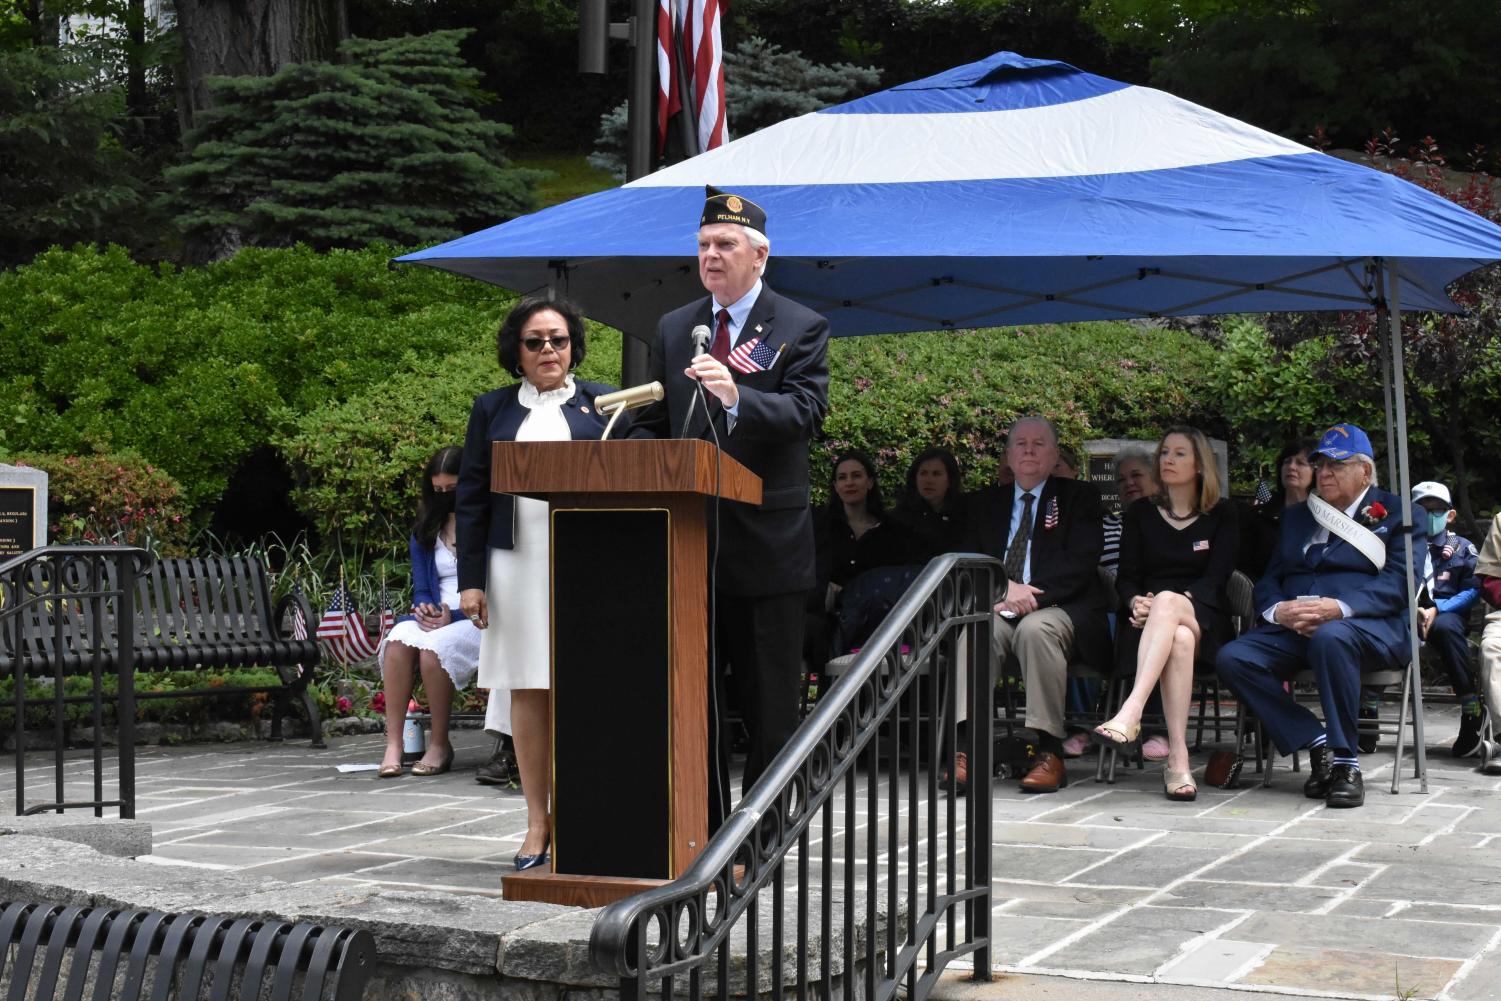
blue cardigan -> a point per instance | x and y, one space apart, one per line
425 585
485 520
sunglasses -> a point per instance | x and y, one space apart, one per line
534 344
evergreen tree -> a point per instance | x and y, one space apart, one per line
64 173
763 84
385 145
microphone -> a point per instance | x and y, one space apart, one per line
620 401
700 337
628 399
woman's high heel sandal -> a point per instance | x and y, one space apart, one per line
1112 735
1179 786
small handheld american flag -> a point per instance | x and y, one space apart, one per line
753 355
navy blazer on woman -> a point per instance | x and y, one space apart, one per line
1377 596
486 520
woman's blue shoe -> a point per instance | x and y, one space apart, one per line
524 862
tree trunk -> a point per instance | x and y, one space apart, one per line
135 73
46 25
1461 473
250 38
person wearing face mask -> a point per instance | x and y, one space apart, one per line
1445 623
435 639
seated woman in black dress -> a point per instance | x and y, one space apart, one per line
1178 549
1260 524
932 507
853 535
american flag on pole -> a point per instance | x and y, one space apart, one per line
332 626
691 27
750 356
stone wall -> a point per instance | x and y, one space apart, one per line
434 946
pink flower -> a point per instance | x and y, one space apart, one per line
343 705
378 702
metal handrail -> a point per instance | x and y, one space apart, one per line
77 574
950 598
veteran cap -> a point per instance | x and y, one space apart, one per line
721 206
1431 489
1343 441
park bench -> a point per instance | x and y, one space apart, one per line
60 610
130 954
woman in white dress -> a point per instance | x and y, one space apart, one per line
435 638
504 582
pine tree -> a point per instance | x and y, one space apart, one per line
384 145
763 84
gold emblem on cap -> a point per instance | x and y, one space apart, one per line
733 204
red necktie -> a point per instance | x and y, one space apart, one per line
720 349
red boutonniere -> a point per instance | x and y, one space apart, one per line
1373 513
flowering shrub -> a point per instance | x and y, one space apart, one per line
112 498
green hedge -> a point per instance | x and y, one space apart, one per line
352 372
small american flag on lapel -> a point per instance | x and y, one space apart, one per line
1201 545
1050 519
753 355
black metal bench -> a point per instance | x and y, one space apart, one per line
60 613
131 954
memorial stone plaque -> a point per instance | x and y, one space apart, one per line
23 510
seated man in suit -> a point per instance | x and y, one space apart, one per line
1334 597
1047 530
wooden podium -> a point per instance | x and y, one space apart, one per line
629 608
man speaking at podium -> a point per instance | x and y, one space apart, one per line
760 361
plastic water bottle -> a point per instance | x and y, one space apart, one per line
413 736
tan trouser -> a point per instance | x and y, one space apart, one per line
1043 643
1490 664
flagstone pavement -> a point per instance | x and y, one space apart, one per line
1257 890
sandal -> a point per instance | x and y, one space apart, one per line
1113 736
1179 786
389 772
425 770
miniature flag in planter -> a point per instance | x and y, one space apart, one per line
331 627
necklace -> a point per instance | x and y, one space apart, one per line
1167 509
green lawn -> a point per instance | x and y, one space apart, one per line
571 176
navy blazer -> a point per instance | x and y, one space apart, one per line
486 520
768 549
1065 558
1377 596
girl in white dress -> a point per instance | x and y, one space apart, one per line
436 638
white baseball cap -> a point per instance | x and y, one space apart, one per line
1430 488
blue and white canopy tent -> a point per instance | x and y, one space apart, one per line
1010 191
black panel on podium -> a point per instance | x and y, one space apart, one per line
612 737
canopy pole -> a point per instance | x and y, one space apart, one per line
1383 339
1403 484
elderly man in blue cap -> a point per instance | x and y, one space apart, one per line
1334 599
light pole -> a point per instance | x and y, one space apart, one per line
639 32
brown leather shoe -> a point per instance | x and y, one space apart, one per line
1047 775
957 782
